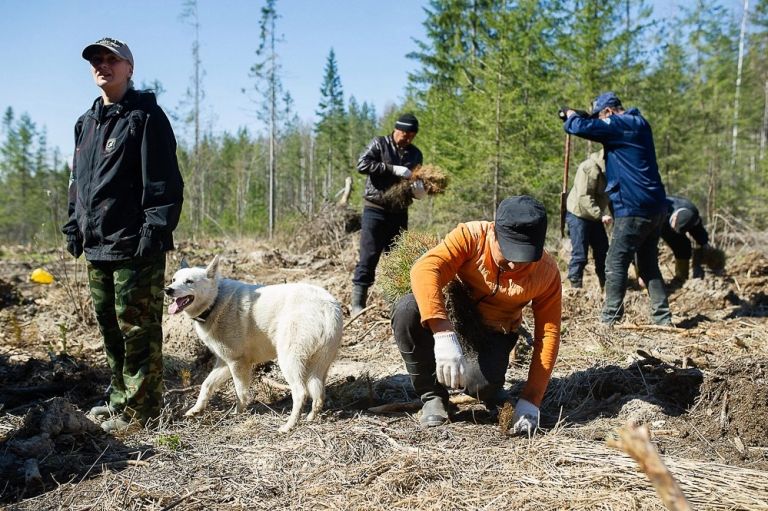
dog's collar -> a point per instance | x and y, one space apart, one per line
200 318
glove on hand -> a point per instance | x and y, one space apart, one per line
562 113
449 360
401 171
148 244
526 418
418 190
75 245
697 272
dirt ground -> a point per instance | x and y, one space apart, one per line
701 389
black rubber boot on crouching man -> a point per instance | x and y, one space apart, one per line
417 348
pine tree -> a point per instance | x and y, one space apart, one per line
331 128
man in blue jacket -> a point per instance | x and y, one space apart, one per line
637 197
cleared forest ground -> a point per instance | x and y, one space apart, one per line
702 390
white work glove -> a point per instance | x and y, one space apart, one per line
418 190
449 360
401 171
526 418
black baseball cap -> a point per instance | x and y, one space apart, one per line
521 228
116 46
684 219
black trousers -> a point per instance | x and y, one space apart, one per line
379 230
485 366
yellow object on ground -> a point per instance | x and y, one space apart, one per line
41 276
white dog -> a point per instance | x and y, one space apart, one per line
244 324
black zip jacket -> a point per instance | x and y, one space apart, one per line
125 180
377 161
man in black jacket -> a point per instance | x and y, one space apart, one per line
386 161
683 218
125 196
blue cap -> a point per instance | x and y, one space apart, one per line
605 100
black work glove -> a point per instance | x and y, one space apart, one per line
75 245
149 243
563 113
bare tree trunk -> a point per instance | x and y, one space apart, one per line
497 143
764 127
742 35
311 175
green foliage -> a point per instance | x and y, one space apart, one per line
170 441
490 77
395 267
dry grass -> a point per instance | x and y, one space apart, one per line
399 196
361 462
355 459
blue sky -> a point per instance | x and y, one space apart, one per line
44 75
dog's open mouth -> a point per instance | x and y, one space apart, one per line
179 304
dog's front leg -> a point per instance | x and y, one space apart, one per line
213 381
241 374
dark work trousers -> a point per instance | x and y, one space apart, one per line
635 237
484 370
678 242
585 234
379 229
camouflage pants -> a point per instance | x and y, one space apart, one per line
128 300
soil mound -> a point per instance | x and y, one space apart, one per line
734 403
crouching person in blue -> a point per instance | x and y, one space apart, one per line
125 197
682 220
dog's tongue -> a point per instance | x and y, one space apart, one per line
173 308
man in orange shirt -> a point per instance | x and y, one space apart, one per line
504 267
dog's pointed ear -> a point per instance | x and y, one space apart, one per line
213 268
183 264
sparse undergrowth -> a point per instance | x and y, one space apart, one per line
700 389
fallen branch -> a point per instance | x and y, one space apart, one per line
651 327
413 406
353 318
635 441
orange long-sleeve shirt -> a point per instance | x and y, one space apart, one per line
466 253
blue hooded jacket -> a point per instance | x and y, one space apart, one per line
633 181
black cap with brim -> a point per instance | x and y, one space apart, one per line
684 219
521 228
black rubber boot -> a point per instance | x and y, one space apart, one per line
359 297
416 346
421 369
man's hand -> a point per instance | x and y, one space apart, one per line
607 219
565 112
449 360
401 171
149 245
526 418
418 190
75 245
